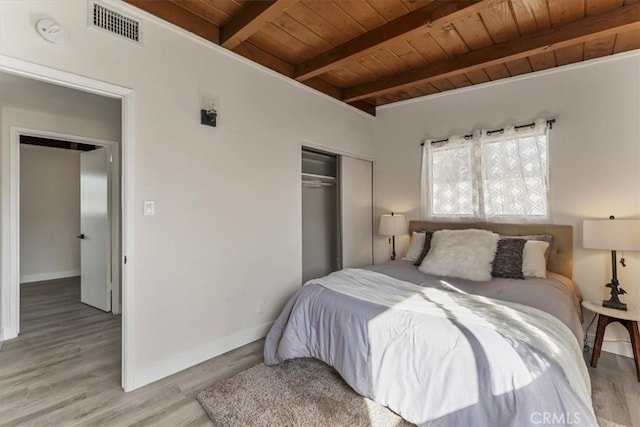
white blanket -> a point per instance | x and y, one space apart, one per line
494 326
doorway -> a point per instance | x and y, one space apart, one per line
9 286
70 214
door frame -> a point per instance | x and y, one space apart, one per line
10 234
307 143
113 195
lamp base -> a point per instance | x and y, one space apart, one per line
393 251
615 304
613 301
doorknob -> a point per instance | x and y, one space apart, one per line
80 236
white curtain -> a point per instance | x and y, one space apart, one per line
494 176
515 172
449 178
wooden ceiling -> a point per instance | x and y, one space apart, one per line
375 52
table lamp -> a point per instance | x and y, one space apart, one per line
614 235
393 225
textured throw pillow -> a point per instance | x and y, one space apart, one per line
534 264
415 248
508 260
466 254
541 237
425 248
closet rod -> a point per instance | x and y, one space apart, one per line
549 122
317 184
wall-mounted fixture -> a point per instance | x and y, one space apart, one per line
51 31
209 111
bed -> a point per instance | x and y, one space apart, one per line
443 351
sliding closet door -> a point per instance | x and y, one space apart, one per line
356 192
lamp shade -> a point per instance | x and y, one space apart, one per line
611 234
392 225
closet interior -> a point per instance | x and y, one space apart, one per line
320 214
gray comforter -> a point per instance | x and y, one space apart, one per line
445 358
556 295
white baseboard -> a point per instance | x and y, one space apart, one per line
617 347
197 355
7 334
622 348
29 278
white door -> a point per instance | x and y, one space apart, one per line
94 229
356 200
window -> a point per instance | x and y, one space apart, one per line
494 176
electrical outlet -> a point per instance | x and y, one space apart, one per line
260 307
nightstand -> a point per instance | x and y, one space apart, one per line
629 319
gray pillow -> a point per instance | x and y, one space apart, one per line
425 249
541 237
508 260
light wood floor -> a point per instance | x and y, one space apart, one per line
64 370
615 389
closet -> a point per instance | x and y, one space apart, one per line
337 213
320 204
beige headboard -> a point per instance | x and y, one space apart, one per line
561 252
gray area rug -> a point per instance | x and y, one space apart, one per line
300 392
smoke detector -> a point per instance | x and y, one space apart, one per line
51 31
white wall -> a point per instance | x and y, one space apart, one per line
226 197
594 152
49 213
33 95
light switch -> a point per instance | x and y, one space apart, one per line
149 208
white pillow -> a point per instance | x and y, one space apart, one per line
415 248
534 264
466 254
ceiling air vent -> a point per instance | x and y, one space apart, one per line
114 22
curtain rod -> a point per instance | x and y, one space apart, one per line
549 122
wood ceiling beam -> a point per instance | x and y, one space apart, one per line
335 92
262 57
189 21
251 19
325 87
591 27
420 21
181 17
364 106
